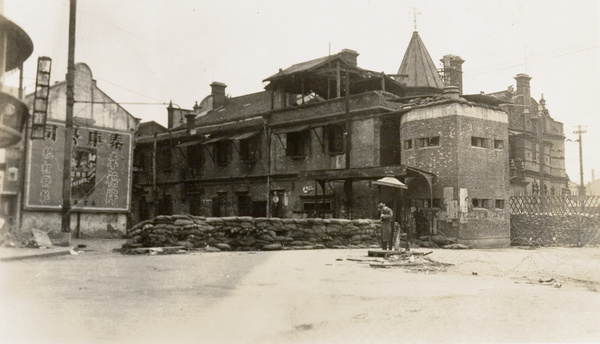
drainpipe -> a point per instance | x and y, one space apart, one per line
348 141
268 138
154 189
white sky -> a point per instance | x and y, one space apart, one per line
153 51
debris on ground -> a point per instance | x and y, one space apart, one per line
549 281
414 261
41 238
456 247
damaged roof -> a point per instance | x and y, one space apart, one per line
237 108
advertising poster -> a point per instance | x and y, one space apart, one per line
100 169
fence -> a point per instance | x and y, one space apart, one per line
555 220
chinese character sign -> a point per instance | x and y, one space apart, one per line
100 169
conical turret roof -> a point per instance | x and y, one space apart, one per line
418 67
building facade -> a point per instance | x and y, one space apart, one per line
536 142
101 163
16 49
323 131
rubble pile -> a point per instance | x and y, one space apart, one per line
249 233
413 261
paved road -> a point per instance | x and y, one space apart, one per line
300 297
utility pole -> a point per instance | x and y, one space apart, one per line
580 131
542 125
66 191
581 197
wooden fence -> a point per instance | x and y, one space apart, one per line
555 220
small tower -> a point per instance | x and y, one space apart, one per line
417 69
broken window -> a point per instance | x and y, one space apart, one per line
335 138
499 144
296 142
408 144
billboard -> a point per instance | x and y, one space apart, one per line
100 169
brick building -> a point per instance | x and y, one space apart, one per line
314 141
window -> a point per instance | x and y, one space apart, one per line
499 144
139 160
296 142
218 205
483 203
244 205
428 141
480 142
195 206
194 156
335 138
221 152
249 149
408 144
163 158
500 204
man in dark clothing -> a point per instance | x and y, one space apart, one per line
385 215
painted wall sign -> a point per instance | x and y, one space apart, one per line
100 169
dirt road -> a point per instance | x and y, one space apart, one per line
322 296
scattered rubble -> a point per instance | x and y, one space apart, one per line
413 261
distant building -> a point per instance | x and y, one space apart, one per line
593 188
313 143
536 142
101 163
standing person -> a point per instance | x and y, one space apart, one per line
385 215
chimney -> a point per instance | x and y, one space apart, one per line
218 94
523 87
453 71
451 92
170 115
350 56
191 125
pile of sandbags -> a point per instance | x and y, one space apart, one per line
248 233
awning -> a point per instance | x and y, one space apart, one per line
244 135
216 139
189 143
291 129
391 182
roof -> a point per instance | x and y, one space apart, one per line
19 45
237 108
418 66
302 67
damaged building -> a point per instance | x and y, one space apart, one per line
319 136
